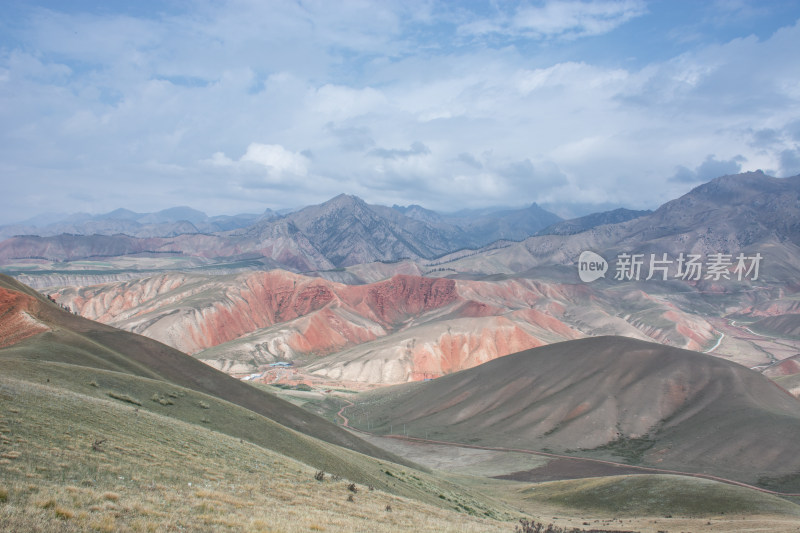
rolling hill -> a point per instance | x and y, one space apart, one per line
610 397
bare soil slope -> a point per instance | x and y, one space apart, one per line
610 397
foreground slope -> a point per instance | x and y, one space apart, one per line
75 459
609 397
65 338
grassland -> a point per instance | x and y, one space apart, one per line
78 462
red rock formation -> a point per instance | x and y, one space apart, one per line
276 315
459 351
392 301
16 317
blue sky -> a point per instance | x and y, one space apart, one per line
236 106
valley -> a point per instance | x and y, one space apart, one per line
435 388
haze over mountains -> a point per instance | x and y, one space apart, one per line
740 213
341 232
165 223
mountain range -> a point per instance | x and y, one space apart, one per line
389 322
737 213
165 223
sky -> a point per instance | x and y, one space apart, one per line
235 106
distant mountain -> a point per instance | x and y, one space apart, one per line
507 224
166 223
579 225
730 214
341 232
348 231
488 225
747 212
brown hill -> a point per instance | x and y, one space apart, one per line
608 397
787 325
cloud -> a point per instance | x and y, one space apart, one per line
709 169
558 19
470 161
577 18
417 148
790 162
351 138
432 103
264 165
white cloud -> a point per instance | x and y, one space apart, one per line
274 159
572 19
434 103
568 19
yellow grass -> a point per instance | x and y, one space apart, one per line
153 473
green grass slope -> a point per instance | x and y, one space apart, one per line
76 341
94 461
659 495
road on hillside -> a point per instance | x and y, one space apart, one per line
643 469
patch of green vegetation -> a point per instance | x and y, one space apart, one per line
659 495
124 397
630 449
787 483
69 382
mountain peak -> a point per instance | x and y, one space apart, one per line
344 200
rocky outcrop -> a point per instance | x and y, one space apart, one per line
17 317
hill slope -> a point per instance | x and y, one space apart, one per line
74 340
610 397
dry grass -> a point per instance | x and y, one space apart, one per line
154 473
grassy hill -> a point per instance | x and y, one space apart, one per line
92 462
102 429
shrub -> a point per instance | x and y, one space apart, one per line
319 476
3 494
124 397
63 513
